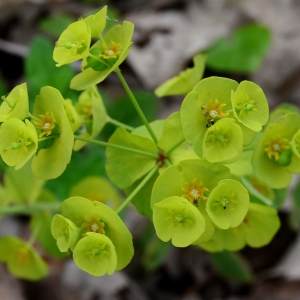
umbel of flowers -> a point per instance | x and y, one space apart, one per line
186 173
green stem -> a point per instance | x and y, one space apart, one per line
167 153
168 163
135 104
100 143
35 232
249 148
32 209
100 60
119 124
137 189
34 118
48 137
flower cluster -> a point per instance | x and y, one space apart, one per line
100 241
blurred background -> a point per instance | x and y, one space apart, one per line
168 34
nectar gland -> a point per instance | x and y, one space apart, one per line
213 112
194 192
111 52
46 124
94 225
275 147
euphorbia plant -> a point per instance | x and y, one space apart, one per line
183 172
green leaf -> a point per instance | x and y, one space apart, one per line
56 25
233 266
244 52
119 165
295 215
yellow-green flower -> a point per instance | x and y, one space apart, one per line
51 162
105 56
15 105
18 142
73 44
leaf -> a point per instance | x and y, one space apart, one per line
55 25
232 265
243 53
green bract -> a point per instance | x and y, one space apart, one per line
95 254
18 142
16 104
126 175
97 189
273 159
106 55
185 81
223 142
97 22
228 203
177 219
250 105
49 108
92 216
256 230
21 259
93 115
73 44
206 104
72 115
65 232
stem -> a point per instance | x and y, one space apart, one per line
119 124
35 232
248 148
33 117
168 163
100 143
29 209
137 189
48 137
167 153
135 104
100 60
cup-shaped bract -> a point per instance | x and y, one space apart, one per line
21 259
185 81
92 112
205 105
172 135
51 162
109 52
258 228
93 216
97 22
228 203
65 232
95 254
72 115
176 219
16 104
250 105
73 44
18 142
99 189
223 142
192 179
274 160
130 172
